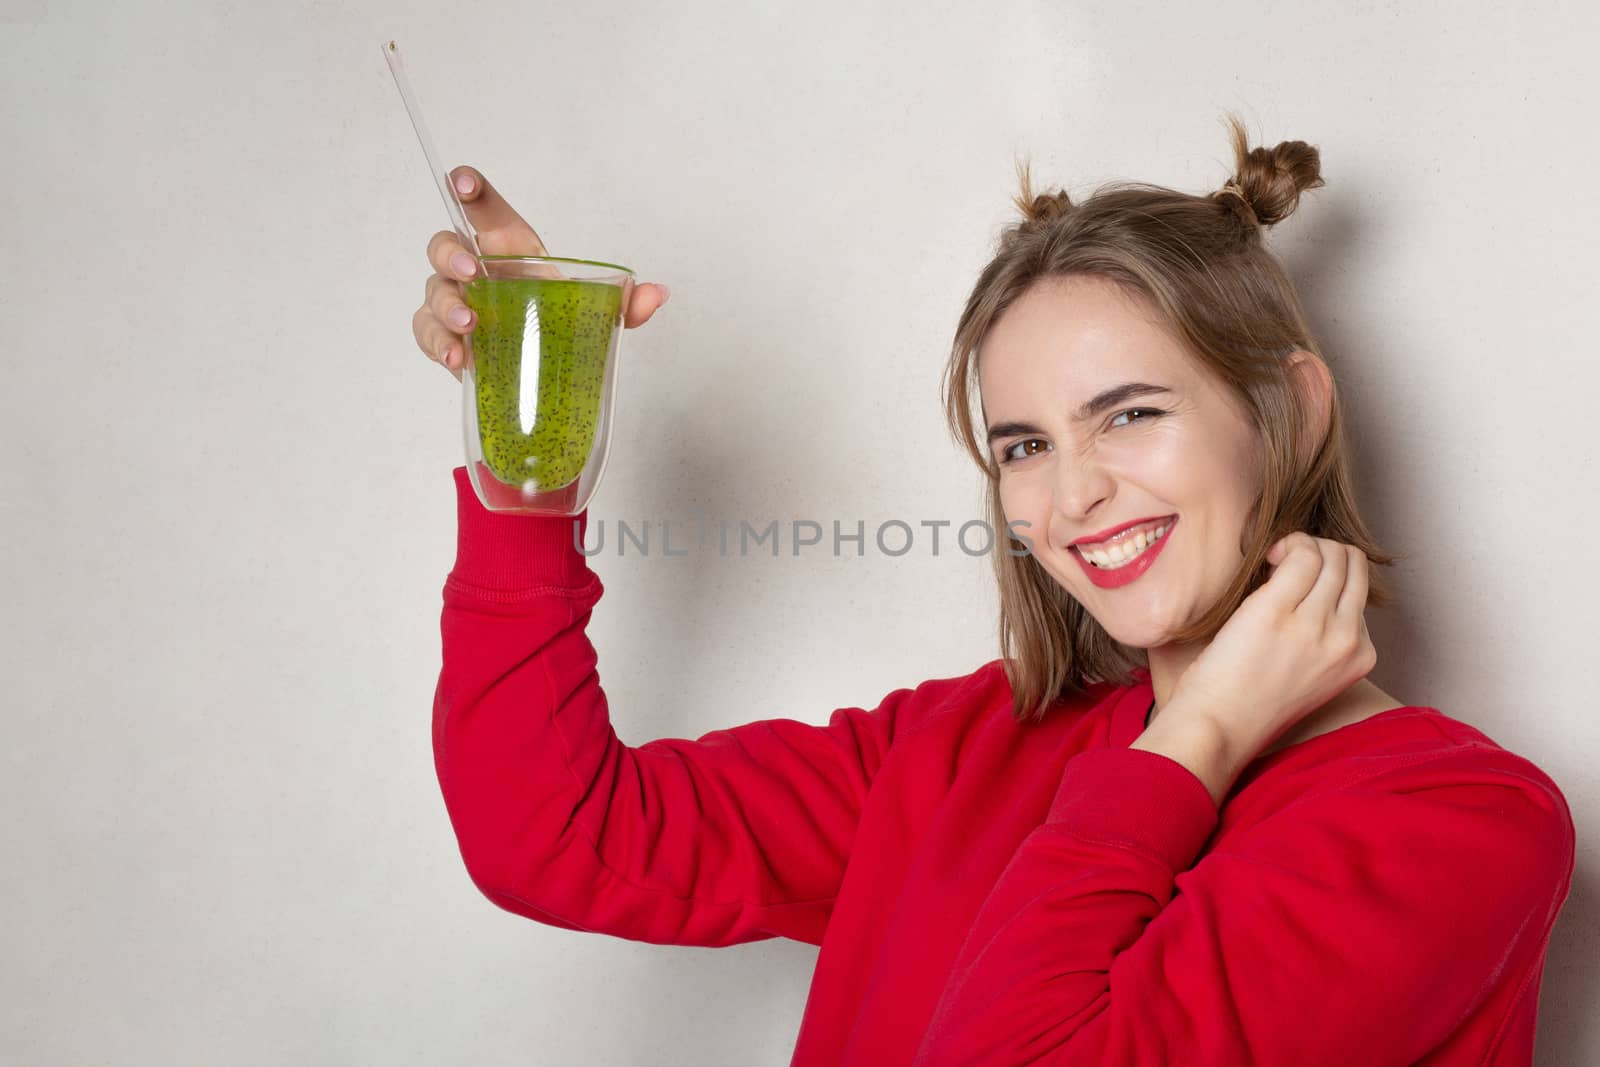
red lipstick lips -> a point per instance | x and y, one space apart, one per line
1113 531
1128 572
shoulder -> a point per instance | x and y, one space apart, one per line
1405 746
1463 754
977 699
1415 774
911 708
1492 812
971 693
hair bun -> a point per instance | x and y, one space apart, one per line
1048 206
1040 209
1236 191
1267 182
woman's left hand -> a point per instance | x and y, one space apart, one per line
1293 644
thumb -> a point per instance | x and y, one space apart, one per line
645 300
501 231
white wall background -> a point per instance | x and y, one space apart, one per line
226 489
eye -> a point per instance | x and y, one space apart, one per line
1156 412
1006 456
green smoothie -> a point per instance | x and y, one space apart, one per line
571 322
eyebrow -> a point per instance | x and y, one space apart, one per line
1106 398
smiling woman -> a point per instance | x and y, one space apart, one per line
1142 292
1172 823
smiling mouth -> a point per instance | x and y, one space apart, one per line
1121 551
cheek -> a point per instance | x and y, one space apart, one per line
1024 497
1235 472
1169 460
1177 465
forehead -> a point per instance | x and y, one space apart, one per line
1068 337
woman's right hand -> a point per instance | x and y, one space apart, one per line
438 326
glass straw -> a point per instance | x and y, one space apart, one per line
452 203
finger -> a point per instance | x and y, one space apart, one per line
1353 601
449 257
1323 599
501 231
1368 652
1295 573
445 300
436 342
646 300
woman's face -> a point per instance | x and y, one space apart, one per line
1185 456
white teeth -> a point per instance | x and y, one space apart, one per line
1120 553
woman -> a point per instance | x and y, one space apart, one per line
1172 823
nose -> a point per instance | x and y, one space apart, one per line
1079 495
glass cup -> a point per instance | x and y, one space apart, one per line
540 374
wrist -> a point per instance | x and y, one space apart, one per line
1198 741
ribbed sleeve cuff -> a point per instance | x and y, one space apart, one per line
509 552
1136 797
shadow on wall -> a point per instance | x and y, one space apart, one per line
1411 653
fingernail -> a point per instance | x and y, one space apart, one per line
666 293
463 265
464 184
460 315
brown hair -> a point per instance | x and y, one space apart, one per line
1201 264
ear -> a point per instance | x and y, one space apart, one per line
1311 378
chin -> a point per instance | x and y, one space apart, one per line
1150 627
1145 637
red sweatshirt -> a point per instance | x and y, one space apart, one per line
987 892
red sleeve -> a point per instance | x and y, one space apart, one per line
1357 926
738 836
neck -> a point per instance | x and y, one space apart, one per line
1168 662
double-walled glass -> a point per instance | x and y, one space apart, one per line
540 379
